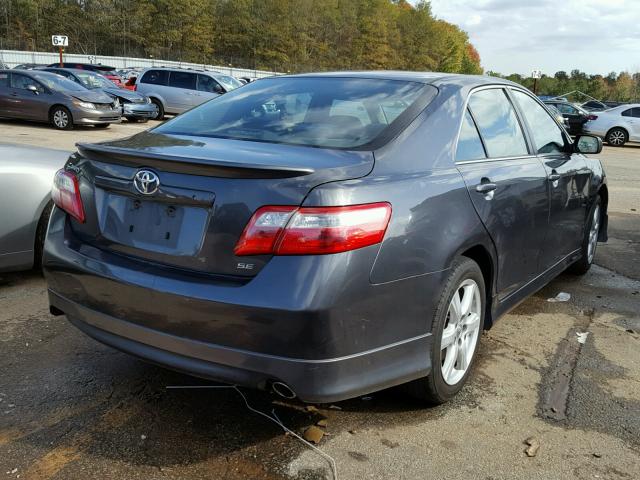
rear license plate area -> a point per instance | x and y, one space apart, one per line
153 226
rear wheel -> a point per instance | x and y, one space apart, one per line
160 109
60 117
457 327
617 137
590 241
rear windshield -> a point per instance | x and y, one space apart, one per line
321 112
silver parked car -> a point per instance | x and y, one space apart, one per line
617 126
46 97
176 90
26 177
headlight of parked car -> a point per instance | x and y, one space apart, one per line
82 104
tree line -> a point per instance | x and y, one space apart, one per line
282 35
618 87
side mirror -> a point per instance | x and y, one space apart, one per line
218 89
33 88
588 144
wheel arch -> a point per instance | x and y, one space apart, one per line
480 254
55 105
619 127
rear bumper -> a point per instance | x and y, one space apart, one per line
321 381
313 323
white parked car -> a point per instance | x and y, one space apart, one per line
617 125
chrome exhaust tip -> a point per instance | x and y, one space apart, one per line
283 390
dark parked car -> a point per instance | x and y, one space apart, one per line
109 72
576 116
46 97
134 105
594 106
28 66
325 235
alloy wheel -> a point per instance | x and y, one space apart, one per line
616 137
61 119
461 330
593 234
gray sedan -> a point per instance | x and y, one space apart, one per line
26 176
47 97
134 105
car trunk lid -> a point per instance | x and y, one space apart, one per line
208 189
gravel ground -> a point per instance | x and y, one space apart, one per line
71 408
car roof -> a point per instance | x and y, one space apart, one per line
29 72
422 77
190 70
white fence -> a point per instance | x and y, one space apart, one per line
14 57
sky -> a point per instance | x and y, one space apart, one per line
518 36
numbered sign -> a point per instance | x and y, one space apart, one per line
59 40
536 74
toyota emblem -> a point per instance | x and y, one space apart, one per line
146 182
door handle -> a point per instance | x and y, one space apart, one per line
486 187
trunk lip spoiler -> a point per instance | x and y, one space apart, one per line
203 166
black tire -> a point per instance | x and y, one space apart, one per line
102 125
583 264
617 137
158 104
60 118
41 233
433 389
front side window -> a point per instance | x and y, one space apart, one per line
546 133
321 112
469 143
155 77
206 84
4 79
498 124
21 81
182 80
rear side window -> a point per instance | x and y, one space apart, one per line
155 77
182 80
329 112
631 112
546 133
469 143
498 124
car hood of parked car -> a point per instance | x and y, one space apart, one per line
123 93
91 96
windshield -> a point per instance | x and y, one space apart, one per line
93 80
229 83
320 112
57 83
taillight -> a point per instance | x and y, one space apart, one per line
593 117
66 194
313 230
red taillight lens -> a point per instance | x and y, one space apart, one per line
313 230
593 117
66 194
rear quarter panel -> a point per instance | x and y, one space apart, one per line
26 176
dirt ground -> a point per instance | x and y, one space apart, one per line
71 408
